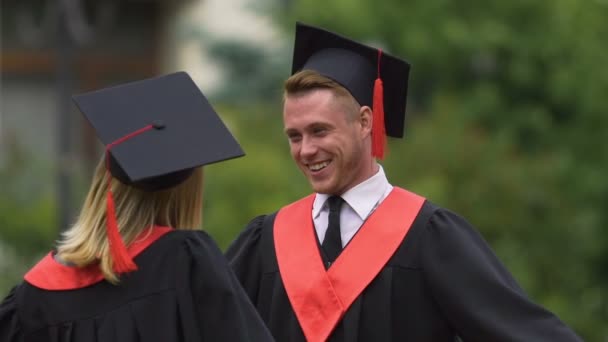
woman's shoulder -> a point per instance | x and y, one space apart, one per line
189 241
10 327
179 236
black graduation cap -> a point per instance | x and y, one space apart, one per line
356 67
157 130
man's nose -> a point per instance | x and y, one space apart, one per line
308 147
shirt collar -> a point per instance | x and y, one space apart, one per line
363 198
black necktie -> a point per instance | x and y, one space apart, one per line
332 243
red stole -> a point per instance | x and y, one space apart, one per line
48 274
320 297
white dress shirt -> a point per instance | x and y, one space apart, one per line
360 202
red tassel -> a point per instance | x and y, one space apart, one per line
378 129
122 261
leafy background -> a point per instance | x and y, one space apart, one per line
506 125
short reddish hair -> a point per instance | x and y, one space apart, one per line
307 80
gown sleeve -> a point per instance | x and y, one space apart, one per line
224 311
244 256
10 329
477 294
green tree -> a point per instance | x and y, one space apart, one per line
27 215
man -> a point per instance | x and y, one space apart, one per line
362 260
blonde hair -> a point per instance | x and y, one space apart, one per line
306 81
86 241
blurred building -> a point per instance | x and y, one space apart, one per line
51 49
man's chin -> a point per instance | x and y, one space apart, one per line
320 188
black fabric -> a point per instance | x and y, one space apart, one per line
187 131
332 243
183 291
442 282
152 184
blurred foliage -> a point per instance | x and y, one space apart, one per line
252 73
506 126
27 214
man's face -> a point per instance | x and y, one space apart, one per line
329 144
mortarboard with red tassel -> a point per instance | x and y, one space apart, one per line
374 78
156 132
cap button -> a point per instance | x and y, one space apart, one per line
158 124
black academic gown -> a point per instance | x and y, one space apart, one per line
442 282
184 290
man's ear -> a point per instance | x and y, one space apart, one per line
366 119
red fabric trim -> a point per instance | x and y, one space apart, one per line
319 297
122 263
309 289
378 126
49 274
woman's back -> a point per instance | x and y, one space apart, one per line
182 291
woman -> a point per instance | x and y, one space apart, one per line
133 267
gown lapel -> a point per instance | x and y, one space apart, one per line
321 297
48 274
